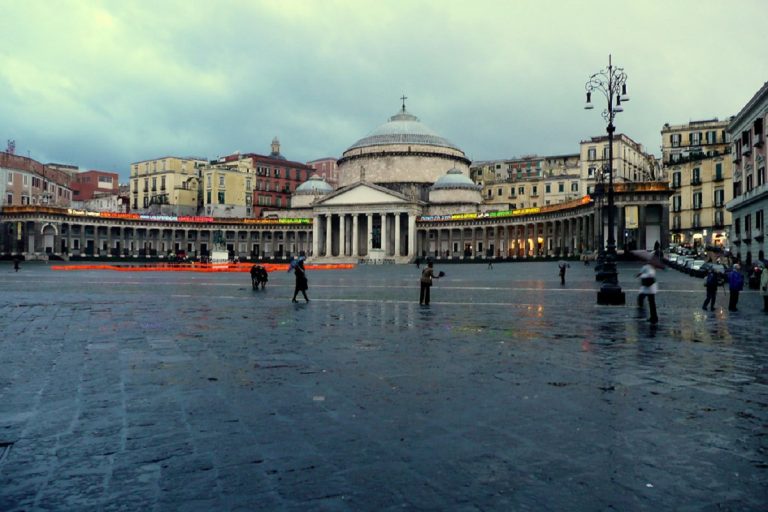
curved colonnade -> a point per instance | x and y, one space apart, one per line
383 235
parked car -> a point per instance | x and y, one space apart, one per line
695 269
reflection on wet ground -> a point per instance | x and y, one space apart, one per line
509 391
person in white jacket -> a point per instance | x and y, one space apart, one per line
648 288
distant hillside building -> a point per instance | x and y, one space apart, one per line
529 181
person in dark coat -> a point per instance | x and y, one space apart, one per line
255 277
302 284
735 285
262 276
16 263
563 265
427 275
710 283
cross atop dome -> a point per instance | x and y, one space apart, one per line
403 97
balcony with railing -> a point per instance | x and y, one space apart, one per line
758 140
718 177
695 181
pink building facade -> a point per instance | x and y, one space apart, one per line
326 168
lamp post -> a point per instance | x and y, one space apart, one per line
612 82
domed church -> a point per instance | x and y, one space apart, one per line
398 172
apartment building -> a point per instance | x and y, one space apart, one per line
227 189
88 184
699 171
167 185
327 169
528 181
750 190
24 181
272 178
630 162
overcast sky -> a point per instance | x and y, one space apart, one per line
103 84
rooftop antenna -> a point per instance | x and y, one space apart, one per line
11 148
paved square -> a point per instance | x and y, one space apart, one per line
180 391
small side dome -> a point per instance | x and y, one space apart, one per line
454 179
314 185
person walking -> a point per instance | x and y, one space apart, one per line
302 284
562 265
735 285
710 282
427 275
16 263
648 288
764 288
255 277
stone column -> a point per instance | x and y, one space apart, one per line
525 240
369 233
450 242
535 239
411 236
315 237
355 236
398 252
342 235
384 233
329 235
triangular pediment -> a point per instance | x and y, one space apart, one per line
362 193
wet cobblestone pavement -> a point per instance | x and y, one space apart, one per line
177 391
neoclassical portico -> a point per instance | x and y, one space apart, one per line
365 222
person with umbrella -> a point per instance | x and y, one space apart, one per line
302 283
648 289
562 265
427 275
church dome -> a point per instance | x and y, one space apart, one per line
454 179
403 128
314 185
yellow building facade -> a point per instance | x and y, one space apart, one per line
630 162
700 173
169 185
228 190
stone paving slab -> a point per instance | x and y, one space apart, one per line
176 391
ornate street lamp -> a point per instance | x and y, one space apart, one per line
612 82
